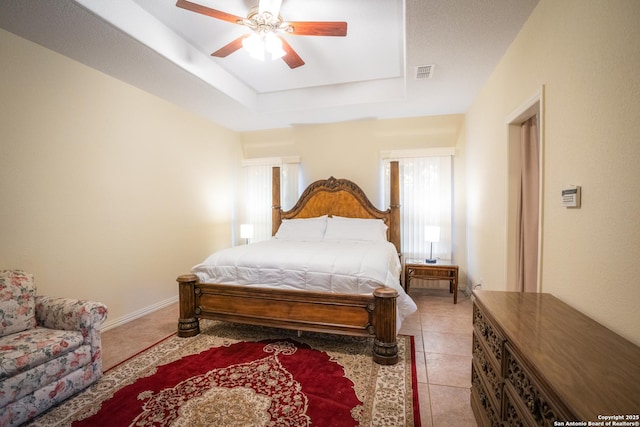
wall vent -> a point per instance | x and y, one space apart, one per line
424 71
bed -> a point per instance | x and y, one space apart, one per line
374 307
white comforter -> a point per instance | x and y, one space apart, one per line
341 266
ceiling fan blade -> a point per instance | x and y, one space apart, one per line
204 10
229 48
338 29
292 59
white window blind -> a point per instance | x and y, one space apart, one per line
256 205
425 200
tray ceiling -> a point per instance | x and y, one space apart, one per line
370 73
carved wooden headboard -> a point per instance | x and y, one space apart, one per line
339 197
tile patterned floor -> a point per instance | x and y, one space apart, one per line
442 334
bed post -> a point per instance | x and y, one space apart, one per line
385 346
188 324
394 201
276 210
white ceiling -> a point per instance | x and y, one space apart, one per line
370 73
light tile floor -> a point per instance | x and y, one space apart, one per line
442 334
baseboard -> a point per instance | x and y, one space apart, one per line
110 324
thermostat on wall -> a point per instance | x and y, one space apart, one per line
571 196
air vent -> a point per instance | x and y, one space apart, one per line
424 71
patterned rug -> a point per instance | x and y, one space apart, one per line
239 375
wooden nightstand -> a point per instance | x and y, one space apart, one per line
441 270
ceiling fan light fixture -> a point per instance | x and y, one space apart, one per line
273 45
257 45
254 45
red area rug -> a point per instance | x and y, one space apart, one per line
237 375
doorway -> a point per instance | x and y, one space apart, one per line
524 195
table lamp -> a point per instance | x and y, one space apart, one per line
246 232
431 235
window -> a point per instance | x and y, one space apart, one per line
256 203
425 199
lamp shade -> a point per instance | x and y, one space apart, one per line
273 45
246 231
432 233
254 44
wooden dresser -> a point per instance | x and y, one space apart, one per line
537 361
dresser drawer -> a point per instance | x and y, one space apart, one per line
529 393
488 370
489 334
489 413
514 414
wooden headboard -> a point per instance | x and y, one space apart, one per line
339 197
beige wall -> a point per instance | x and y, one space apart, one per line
352 150
586 55
108 193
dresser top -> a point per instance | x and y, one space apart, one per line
595 371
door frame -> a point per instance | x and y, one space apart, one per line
533 106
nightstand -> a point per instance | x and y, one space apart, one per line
441 270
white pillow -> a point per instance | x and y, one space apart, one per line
302 228
340 228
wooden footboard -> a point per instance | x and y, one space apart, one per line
345 314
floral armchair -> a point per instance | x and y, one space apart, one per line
50 347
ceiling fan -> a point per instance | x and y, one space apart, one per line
267 27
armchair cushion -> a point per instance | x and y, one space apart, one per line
35 358
22 351
17 302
